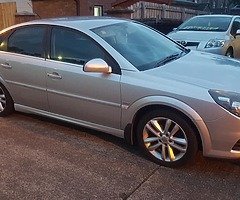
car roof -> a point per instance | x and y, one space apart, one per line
217 16
74 22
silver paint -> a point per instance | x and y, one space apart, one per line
109 102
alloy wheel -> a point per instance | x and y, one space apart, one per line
229 54
2 100
165 139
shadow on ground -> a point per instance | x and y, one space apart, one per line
201 163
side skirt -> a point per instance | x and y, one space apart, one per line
112 131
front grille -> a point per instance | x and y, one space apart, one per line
236 147
189 44
192 44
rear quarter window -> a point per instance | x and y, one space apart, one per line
27 40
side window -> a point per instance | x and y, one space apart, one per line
74 47
27 41
235 26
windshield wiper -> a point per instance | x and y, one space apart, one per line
168 59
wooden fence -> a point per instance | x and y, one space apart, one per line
7 14
147 10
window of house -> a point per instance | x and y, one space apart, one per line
27 41
97 10
77 48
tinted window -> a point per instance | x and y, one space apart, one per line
235 26
206 24
77 48
27 41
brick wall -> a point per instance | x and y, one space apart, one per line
127 3
58 8
54 8
86 6
24 18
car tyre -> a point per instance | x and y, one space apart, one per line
167 138
229 53
6 102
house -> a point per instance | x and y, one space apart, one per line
57 8
53 8
7 13
12 10
23 6
153 10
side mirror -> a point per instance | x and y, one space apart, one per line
97 65
174 29
238 32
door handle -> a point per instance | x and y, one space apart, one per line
54 75
6 66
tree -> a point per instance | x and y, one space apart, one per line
234 2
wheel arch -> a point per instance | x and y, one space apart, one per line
230 48
3 82
139 108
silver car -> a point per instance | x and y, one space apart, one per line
125 79
219 34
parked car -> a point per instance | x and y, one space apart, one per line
125 79
219 34
235 10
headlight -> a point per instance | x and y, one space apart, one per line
228 100
215 43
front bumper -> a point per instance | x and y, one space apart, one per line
219 50
224 137
215 50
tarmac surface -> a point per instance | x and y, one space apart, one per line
47 159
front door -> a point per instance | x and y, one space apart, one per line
89 97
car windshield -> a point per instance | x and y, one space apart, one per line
143 47
212 23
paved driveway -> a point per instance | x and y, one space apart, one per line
46 159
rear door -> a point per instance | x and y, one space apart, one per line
22 65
